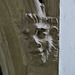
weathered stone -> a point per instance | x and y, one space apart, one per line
20 54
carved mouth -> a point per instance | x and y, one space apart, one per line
37 52
43 55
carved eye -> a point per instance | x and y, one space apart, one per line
40 33
38 45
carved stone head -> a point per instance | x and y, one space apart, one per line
40 37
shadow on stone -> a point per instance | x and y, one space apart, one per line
0 71
41 1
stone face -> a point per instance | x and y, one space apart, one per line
28 29
34 34
37 49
